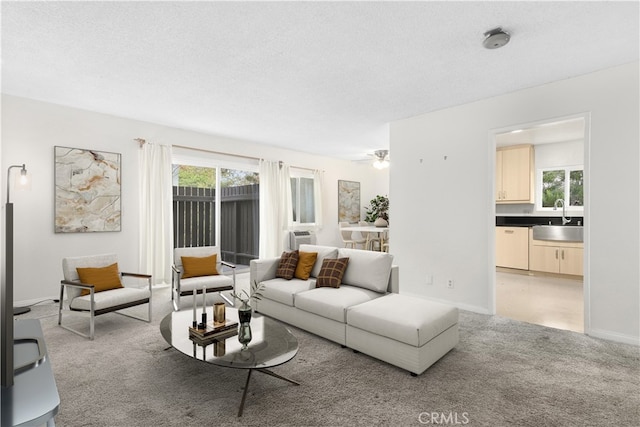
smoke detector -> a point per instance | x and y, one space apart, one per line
496 38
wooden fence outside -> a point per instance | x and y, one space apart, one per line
194 220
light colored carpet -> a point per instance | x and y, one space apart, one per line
502 373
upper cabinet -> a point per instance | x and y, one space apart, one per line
515 174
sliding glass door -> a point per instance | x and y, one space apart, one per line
194 206
217 206
239 215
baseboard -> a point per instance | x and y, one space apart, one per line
30 302
614 336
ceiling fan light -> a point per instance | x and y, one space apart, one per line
381 164
381 160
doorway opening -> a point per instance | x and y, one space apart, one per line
541 177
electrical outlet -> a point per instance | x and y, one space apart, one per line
450 283
429 279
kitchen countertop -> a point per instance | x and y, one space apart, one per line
530 221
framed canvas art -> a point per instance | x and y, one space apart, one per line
348 201
87 191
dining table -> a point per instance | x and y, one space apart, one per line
380 231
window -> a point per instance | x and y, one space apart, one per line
576 187
302 200
564 183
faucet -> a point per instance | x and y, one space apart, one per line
565 220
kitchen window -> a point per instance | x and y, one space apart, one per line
566 183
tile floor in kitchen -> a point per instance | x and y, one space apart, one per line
551 301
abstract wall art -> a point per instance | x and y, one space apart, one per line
87 191
348 201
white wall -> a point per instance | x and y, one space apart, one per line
30 130
443 208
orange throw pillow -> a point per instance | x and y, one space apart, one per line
306 261
199 266
102 278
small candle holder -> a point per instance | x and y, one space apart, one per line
219 315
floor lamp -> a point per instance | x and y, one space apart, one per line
7 286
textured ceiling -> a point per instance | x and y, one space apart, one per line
320 77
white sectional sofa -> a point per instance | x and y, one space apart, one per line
369 275
368 280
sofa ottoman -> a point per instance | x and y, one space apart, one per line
408 332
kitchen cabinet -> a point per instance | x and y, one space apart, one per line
515 174
512 247
557 257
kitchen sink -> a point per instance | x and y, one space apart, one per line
561 233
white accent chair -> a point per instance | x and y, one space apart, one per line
385 242
217 283
98 303
348 238
370 238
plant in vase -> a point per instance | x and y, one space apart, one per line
378 211
244 311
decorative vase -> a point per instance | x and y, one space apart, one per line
244 334
380 222
244 314
244 330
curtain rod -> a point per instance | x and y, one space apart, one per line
142 142
216 152
235 155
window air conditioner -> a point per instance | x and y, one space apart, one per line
297 238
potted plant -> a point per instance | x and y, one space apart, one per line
378 211
244 311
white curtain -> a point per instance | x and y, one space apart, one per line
276 212
318 180
156 222
286 204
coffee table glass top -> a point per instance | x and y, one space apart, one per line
272 344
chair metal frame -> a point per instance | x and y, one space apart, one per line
92 312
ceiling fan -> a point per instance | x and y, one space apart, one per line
381 159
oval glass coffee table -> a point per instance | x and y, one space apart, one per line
272 344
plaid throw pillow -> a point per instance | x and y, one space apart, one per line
287 265
331 272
